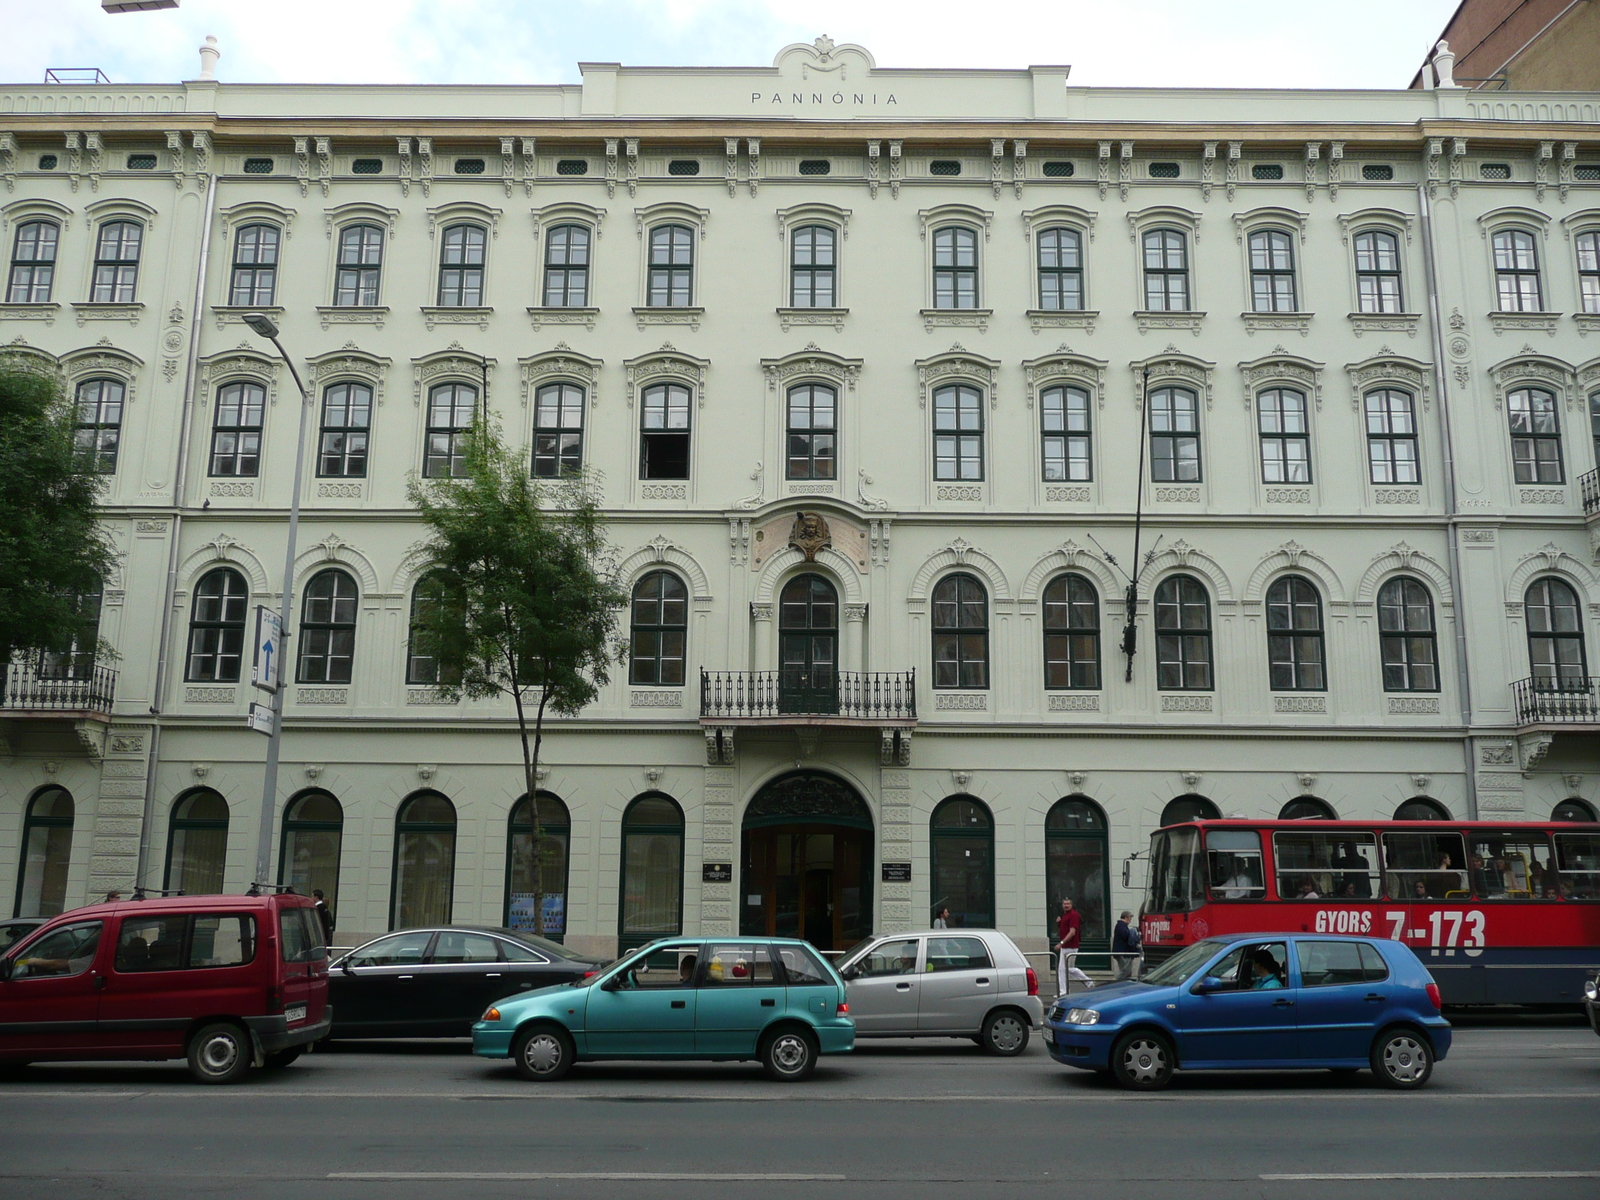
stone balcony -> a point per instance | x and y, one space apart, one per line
809 700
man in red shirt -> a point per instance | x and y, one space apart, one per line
1069 936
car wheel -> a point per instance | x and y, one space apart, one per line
219 1054
543 1054
789 1055
279 1059
1143 1061
1402 1059
1005 1034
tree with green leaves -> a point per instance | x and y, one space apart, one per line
522 598
53 551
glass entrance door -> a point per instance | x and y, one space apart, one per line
808 626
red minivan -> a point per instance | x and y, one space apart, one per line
225 981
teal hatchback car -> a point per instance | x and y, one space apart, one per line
730 999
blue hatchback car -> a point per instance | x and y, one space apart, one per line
1260 1002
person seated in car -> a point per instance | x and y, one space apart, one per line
1265 969
686 969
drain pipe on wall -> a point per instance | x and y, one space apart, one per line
1452 513
169 591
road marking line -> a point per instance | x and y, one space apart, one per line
1402 1175
620 1176
1276 1095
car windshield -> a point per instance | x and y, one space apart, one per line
1177 969
849 956
543 945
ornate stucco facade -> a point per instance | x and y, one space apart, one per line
915 326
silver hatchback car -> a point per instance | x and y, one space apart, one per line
971 983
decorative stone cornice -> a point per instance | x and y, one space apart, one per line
958 364
1279 367
811 362
1387 367
454 362
561 363
1066 366
349 363
1173 367
670 364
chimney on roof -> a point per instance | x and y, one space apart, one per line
208 58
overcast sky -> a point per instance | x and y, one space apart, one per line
1109 43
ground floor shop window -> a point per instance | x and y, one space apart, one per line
197 844
424 862
536 878
46 854
962 845
313 834
652 871
1075 861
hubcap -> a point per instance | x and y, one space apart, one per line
789 1052
1006 1033
1145 1060
1405 1059
542 1053
219 1054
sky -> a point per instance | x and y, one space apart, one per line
1108 43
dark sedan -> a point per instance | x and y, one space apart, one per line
437 982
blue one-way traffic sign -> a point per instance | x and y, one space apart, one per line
266 671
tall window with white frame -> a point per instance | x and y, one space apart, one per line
958 433
671 281
33 263
658 630
566 267
960 634
116 262
97 431
664 432
1516 271
216 627
255 267
360 267
955 267
1071 634
461 253
422 667
1392 437
1060 270
1594 422
1589 271
1535 436
1378 272
1285 436
558 431
1272 284
1555 636
1064 427
1166 271
1174 436
451 408
1183 635
811 450
236 429
328 628
342 438
1407 643
1295 652
813 267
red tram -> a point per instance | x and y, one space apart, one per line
1499 912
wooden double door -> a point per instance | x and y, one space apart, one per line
811 881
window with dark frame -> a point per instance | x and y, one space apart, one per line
216 627
1285 436
1594 422
955 267
958 433
1516 271
1589 271
1166 271
671 267
1064 428
255 266
1296 658
572 166
664 432
1378 272
658 630
558 431
1392 437
1535 436
811 432
360 266
342 437
328 628
1377 171
1272 286
116 262
74 658
451 408
566 267
1555 636
1183 635
813 266
141 162
461 253
1060 270
1407 642
236 429
422 668
960 634
1174 436
97 426
1071 634
33 263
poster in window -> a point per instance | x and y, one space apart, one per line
522 913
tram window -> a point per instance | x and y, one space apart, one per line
1233 860
1175 881
1511 866
1326 866
1425 866
1578 865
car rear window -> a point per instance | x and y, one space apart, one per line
958 954
455 947
302 935
517 952
801 967
184 941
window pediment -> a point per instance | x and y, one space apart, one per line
1172 368
955 214
669 365
1391 219
243 363
455 363
256 212
671 212
121 208
1589 374
359 212
1058 214
561 363
811 363
1513 216
1577 222
36 208
813 213
1269 217
958 365
1159 215
350 363
1280 368
1064 366
1538 370
568 212
1389 368
468 212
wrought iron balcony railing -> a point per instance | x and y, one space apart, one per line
67 686
1589 487
865 696
1574 700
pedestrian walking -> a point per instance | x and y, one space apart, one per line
1069 938
324 914
1127 949
941 918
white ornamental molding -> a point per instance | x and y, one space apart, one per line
1388 369
257 212
958 365
1390 219
1066 366
243 363
813 213
954 214
463 212
1052 215
671 365
658 214
811 363
1281 369
1173 367
349 363
1539 370
100 361
360 212
562 363
454 362
1269 217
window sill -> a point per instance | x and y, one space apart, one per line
1063 318
1175 493
234 314
1587 323
338 314
1186 702
1365 322
1402 493
957 701
1300 702
540 316
1148 320
812 316
956 318
1547 494
236 488
1298 322
1062 702
345 488
108 312
668 316
1073 493
1518 322
30 312
445 314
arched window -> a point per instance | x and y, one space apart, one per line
1535 435
1166 271
1555 636
536 883
671 267
360 265
75 660
566 267
1060 269
1378 272
424 862
1077 867
342 440
960 633
808 646
216 627
961 836
116 262
1071 633
1574 809
660 629
1272 271
811 449
1189 807
1421 808
813 266
665 427
328 628
97 429
955 267
1392 437
1307 808
255 267
46 854
313 832
1295 652
1183 635
1406 637
1285 436
958 433
236 430
651 903
197 844
1174 435
461 267
557 431
1065 427
451 407
33 263
421 665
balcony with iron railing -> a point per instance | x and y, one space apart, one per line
810 696
67 686
1571 702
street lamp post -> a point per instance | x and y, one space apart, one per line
267 328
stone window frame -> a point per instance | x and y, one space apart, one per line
980 222
336 220
1399 372
1294 373
1526 220
560 365
1276 219
546 218
796 216
815 366
1402 226
98 215
666 365
958 366
12 217
1166 216
1067 368
648 219
1082 222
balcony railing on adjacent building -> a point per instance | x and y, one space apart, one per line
1574 700
74 687
1589 488
870 697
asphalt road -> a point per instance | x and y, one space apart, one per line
1513 1112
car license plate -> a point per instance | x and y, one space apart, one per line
1050 1035
294 1013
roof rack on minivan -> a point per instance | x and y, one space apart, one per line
144 893
282 889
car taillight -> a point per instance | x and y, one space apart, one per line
1433 996
843 1010
1033 982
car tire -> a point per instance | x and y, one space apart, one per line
1143 1061
1402 1059
279 1059
543 1054
1005 1034
220 1053
789 1055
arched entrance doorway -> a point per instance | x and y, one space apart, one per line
808 631
808 862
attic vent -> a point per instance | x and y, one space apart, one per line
1377 171
469 166
1589 171
944 166
141 162
572 166
1163 170
1057 170
47 162
684 166
1495 171
367 166
1264 171
258 166
815 166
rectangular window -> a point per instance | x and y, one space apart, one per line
151 943
222 940
671 282
741 964
1406 637
566 267
1339 964
1589 271
1535 436
1174 436
97 432
1272 271
957 954
1425 866
1166 271
812 267
1511 866
451 408
255 266
1234 863
955 267
812 452
664 432
958 433
1064 427
1326 866
1392 437
558 431
360 265
33 263
1060 270
236 432
1378 272
461 267
116 262
1285 436
342 440
1516 271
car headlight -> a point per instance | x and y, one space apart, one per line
492 1014
1591 989
1083 1016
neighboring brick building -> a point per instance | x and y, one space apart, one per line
1523 46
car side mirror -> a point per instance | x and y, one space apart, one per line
850 972
613 984
1208 985
346 966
